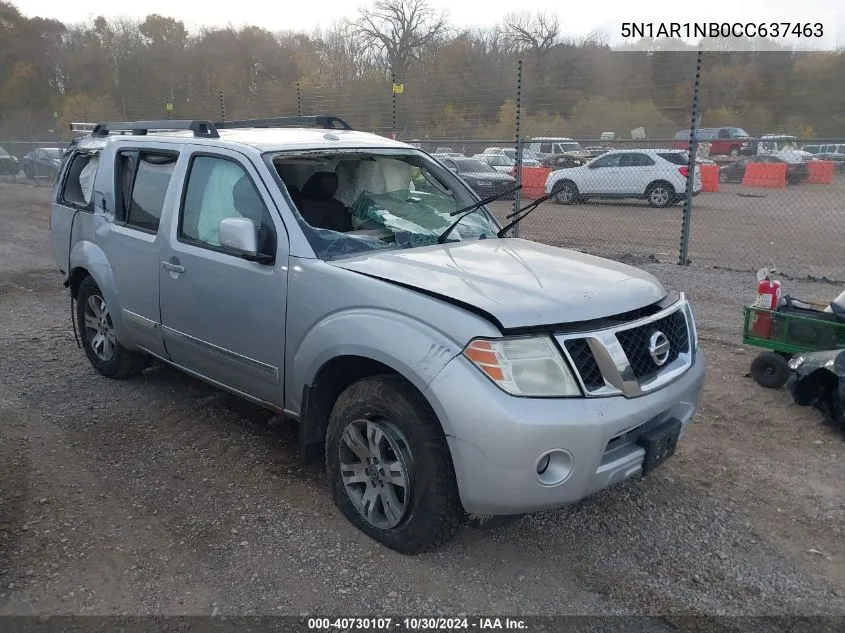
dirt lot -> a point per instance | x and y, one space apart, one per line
163 495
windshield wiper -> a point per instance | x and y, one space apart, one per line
527 209
471 208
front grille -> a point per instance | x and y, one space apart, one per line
585 363
635 343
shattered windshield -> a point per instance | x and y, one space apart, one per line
358 200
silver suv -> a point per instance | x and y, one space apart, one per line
354 284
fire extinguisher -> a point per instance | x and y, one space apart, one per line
768 295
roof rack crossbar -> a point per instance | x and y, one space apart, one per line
200 128
325 122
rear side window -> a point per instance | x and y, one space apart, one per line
79 182
675 158
635 160
143 179
545 148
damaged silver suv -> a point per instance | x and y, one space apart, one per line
352 283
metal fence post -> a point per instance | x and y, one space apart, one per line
298 99
518 135
683 255
393 95
222 106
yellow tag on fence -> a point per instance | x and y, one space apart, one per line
398 89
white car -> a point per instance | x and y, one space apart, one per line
499 162
658 176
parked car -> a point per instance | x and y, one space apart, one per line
436 365
836 158
493 150
8 163
724 141
796 171
827 148
499 162
510 152
783 146
594 151
658 176
562 161
444 150
480 176
543 146
42 162
449 155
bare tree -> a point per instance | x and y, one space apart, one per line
400 30
536 33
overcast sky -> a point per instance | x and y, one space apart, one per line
578 18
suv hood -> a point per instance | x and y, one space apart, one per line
517 282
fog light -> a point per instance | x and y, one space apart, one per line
543 464
554 467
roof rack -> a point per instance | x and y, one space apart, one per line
325 122
204 129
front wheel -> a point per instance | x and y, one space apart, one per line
723 177
567 192
389 467
660 195
98 336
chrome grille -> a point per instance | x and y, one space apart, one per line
617 361
585 363
635 343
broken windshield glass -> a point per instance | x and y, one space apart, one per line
355 201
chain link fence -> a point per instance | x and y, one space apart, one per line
617 160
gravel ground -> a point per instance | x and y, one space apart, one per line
162 495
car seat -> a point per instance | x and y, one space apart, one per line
318 206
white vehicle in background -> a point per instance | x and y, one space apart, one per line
541 147
658 176
782 146
499 162
494 150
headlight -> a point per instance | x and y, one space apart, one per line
523 366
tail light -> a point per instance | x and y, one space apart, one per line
684 171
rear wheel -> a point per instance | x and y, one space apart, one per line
734 151
660 194
389 466
723 177
98 336
566 192
770 370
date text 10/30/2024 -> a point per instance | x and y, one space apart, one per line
415 624
722 29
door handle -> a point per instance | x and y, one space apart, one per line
174 268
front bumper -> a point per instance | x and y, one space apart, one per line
496 440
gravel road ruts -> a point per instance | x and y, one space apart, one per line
162 495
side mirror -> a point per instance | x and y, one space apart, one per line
239 236
591 166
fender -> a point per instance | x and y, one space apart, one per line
87 255
412 348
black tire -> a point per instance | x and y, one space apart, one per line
566 192
734 151
122 363
27 171
432 509
660 194
770 370
723 177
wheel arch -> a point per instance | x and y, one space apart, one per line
88 260
331 379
